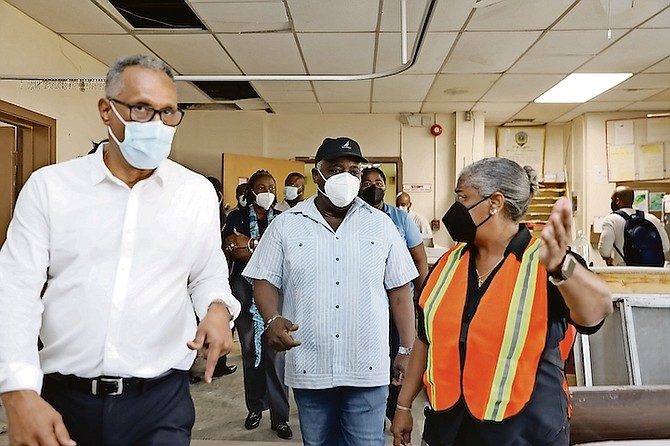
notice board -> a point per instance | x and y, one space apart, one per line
638 149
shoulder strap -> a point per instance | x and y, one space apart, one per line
626 217
623 214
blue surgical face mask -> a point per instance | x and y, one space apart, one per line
145 144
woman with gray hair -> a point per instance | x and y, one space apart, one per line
493 319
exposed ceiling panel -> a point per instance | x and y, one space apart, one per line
495 59
158 14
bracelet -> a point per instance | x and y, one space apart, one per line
271 320
405 408
252 241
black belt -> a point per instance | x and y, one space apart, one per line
106 385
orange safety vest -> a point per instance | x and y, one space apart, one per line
505 339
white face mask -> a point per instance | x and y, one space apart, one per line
265 199
341 189
291 192
403 208
145 144
242 200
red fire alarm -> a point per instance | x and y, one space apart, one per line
436 130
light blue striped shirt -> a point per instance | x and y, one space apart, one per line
334 287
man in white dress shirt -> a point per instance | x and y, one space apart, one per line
128 245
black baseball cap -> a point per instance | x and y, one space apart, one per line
336 147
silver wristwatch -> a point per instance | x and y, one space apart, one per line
404 350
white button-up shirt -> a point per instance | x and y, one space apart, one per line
127 269
334 287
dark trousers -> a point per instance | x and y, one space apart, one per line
157 415
263 385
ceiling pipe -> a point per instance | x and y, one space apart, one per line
406 65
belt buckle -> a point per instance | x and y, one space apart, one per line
117 381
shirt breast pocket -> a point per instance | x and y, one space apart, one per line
373 253
301 258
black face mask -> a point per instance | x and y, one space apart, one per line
614 207
372 195
459 223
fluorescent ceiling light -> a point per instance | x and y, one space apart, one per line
580 87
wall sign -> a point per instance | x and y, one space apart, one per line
525 145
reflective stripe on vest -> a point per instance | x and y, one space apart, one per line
505 339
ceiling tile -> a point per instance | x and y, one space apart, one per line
334 16
446 107
289 96
396 107
498 112
191 53
521 87
660 97
625 54
434 50
187 92
661 20
69 16
450 15
541 64
243 16
263 87
333 53
346 107
284 107
646 80
517 15
391 15
402 88
488 52
574 43
107 48
460 87
589 107
355 91
648 106
660 67
593 14
630 95
264 53
543 113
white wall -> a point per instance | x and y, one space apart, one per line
28 48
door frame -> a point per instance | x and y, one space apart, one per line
36 142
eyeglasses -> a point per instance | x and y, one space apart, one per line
145 113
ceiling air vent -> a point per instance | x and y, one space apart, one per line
158 14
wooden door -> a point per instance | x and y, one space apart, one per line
8 157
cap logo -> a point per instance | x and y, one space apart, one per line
346 145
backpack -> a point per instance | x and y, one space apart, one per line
642 244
